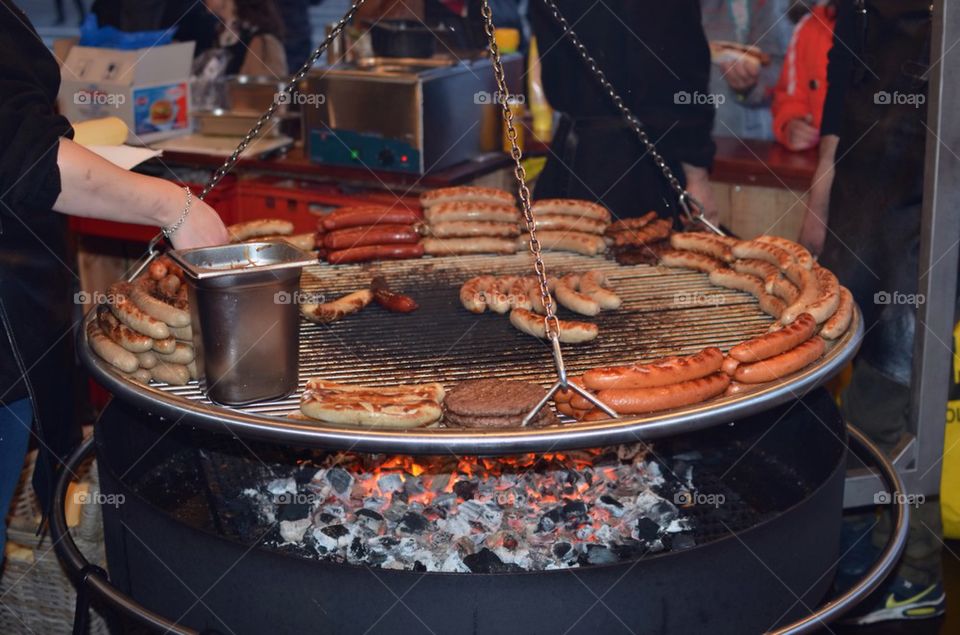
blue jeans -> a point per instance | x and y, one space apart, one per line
16 419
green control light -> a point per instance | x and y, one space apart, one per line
354 154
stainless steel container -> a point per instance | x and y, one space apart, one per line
226 123
246 327
252 94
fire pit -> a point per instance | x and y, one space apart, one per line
733 529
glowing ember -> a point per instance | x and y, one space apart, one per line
478 514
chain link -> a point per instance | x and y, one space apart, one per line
254 132
551 324
696 214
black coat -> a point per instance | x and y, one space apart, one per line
36 357
656 55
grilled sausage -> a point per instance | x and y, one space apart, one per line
828 296
655 231
690 260
567 294
472 194
471 229
777 342
799 253
147 359
241 232
165 345
839 322
782 288
109 351
474 293
141 376
563 222
704 243
169 285
370 235
771 305
470 211
754 267
391 300
570 332
809 292
631 223
643 400
499 298
593 283
571 207
369 253
662 372
392 407
181 354
763 251
337 309
158 309
730 279
173 374
366 215
466 246
121 334
781 365
182 333
576 242
132 315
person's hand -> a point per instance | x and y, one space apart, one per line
741 74
813 233
202 228
698 185
802 134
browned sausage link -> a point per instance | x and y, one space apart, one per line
468 193
771 305
572 207
657 230
777 342
391 300
122 306
763 251
374 252
367 215
838 324
782 288
470 229
755 267
730 365
121 334
109 351
337 309
731 279
809 292
370 235
702 242
465 246
782 364
468 211
668 370
690 260
627 401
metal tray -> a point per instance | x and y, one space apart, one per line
665 311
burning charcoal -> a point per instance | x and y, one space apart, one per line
439 482
305 474
293 530
574 512
485 561
647 529
550 520
340 480
413 485
412 523
369 513
630 451
445 500
453 564
608 458
335 531
419 566
282 486
326 518
599 554
396 511
293 511
357 549
390 482
611 504
388 541
628 549
465 489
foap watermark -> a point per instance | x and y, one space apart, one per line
896 98
895 297
696 98
697 298
98 98
899 498
691 498
298 297
98 498
296 498
98 297
483 97
296 98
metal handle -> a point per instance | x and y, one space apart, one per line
99 586
888 557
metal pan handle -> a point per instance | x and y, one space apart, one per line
92 581
888 558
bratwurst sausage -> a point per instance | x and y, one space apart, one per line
668 370
777 342
370 235
643 400
783 364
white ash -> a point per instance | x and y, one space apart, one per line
475 514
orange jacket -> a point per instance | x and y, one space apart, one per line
802 88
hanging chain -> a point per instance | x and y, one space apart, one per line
693 208
551 323
254 132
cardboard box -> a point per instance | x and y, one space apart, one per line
148 88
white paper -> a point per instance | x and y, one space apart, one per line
126 157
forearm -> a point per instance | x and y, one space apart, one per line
92 187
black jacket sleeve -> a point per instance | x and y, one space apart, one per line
839 67
30 128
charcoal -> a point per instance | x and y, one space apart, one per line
599 554
419 566
647 529
335 531
682 541
485 561
550 520
326 517
561 549
388 541
292 530
465 489
574 511
413 485
412 523
293 511
340 480
628 549
369 513
282 485
304 474
611 504
357 549
390 482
